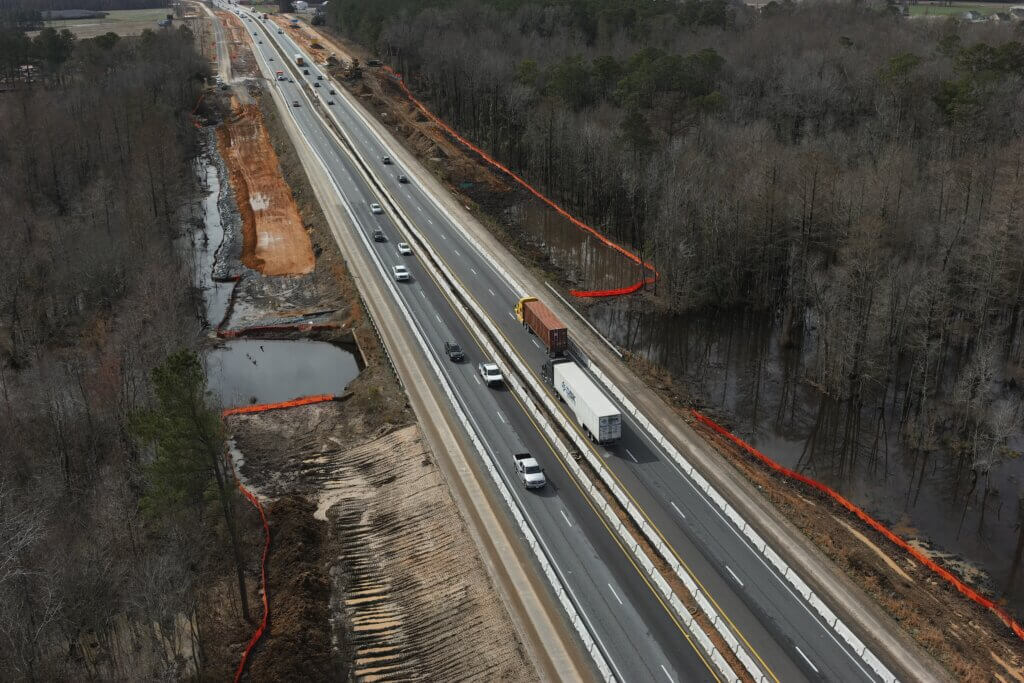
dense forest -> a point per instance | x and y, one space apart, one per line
851 173
97 165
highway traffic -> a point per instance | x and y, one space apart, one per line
639 636
637 632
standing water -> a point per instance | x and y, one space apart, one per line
245 371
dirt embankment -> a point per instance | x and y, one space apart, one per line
411 598
967 639
274 239
243 63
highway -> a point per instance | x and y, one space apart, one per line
638 634
640 637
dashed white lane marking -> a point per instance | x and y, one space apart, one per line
443 236
438 317
677 509
535 343
430 221
809 662
473 270
615 594
477 379
457 252
502 417
566 517
510 315
423 294
631 456
733 574
491 291
667 674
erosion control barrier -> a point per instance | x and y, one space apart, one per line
257 330
258 633
629 289
960 586
263 407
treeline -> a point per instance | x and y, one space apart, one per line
98 177
855 173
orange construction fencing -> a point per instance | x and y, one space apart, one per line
629 289
959 585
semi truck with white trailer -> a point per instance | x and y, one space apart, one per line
596 414
299 60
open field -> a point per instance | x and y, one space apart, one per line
129 22
958 8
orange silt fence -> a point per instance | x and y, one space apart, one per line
629 289
263 407
926 561
259 408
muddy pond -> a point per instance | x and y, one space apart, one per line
735 366
245 371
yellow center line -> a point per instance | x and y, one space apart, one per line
735 629
583 494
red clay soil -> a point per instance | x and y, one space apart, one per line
275 242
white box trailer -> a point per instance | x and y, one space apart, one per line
600 419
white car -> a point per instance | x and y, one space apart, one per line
404 249
401 273
375 208
489 373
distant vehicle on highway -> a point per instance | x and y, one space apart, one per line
319 77
295 103
404 249
330 102
401 273
376 208
386 161
529 470
454 352
300 61
490 373
378 236
402 179
280 75
316 84
279 31
332 92
305 72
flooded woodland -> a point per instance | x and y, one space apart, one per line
956 499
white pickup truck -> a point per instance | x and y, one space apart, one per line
530 471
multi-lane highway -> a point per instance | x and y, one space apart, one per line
638 634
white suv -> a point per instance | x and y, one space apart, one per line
401 273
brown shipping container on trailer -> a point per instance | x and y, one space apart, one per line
546 326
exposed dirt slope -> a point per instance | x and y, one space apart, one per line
275 241
411 598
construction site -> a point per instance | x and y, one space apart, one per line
370 572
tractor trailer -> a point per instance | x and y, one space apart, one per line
542 322
299 61
600 419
